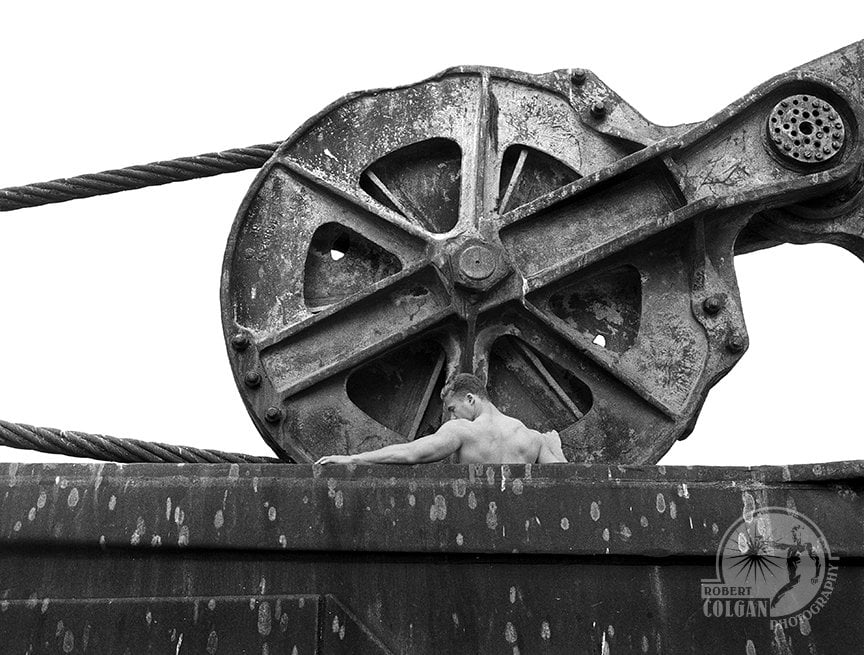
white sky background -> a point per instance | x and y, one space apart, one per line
111 305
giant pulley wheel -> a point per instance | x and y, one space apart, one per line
533 229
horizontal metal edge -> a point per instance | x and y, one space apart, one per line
544 509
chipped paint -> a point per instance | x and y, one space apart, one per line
183 536
438 509
492 516
459 486
510 635
749 507
72 499
140 529
265 618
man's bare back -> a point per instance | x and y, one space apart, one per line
502 439
478 432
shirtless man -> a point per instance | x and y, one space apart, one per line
478 432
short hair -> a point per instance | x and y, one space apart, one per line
465 383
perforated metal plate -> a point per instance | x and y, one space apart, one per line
806 129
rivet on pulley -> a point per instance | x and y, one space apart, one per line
578 76
713 304
240 341
735 344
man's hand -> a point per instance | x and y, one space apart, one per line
551 451
336 459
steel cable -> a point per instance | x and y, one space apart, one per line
135 177
112 449
103 447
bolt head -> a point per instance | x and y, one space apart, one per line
273 415
713 304
478 266
598 109
735 344
477 262
578 76
252 379
240 341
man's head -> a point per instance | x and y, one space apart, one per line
463 396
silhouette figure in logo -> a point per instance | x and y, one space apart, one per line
793 559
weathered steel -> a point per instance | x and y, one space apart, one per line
111 449
135 177
436 559
535 230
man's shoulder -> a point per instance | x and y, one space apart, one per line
460 426
515 426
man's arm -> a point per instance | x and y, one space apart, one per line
550 448
446 441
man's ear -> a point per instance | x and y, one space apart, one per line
470 398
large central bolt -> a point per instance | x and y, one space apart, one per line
477 262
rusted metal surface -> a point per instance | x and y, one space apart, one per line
535 230
456 559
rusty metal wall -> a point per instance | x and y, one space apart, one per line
456 559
